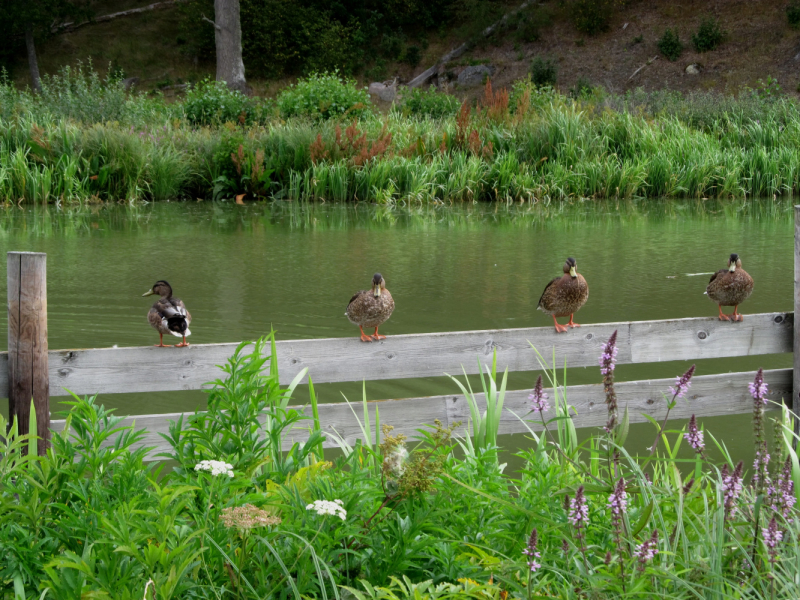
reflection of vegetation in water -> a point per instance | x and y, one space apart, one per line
81 220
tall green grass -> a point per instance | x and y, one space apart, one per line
85 138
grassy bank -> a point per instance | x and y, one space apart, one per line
88 139
438 517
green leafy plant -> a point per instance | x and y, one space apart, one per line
324 96
793 14
708 36
670 45
592 16
213 102
543 71
427 103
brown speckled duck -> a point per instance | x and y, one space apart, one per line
168 314
564 296
371 308
730 287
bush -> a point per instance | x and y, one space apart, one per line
213 102
543 71
708 37
324 96
591 16
670 45
413 56
583 88
793 13
429 103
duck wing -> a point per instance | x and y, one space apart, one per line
545 290
717 274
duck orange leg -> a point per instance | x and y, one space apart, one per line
364 336
559 328
162 344
722 316
571 322
736 316
376 336
183 344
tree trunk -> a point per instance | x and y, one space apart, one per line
33 63
228 35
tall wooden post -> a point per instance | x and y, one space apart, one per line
796 345
28 377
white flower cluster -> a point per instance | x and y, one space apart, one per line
326 507
215 467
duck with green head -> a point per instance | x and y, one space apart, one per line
730 287
371 308
168 314
565 295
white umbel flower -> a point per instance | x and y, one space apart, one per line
215 467
326 507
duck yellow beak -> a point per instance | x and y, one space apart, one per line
376 291
732 267
573 272
149 292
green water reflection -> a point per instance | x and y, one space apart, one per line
244 269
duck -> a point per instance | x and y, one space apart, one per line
371 308
168 314
565 295
730 287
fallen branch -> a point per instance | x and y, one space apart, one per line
430 72
649 62
67 27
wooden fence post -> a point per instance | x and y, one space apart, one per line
796 344
28 377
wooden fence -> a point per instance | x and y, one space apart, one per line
30 370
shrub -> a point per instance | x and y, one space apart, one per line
543 71
670 45
323 96
213 102
413 56
591 16
583 88
708 36
793 13
428 103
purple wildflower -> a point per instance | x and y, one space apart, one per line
694 436
618 500
531 552
578 510
539 398
682 384
781 494
688 487
760 464
758 389
607 360
609 357
731 488
646 551
772 537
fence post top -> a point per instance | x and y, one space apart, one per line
27 253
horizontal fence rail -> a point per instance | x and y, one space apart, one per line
149 369
709 395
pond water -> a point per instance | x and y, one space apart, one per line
244 269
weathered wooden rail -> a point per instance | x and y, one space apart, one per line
34 371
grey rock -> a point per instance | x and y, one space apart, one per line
472 76
693 69
386 91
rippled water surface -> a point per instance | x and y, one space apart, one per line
244 269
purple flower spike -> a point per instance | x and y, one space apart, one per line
758 389
578 510
531 552
647 550
682 384
609 357
618 500
539 398
731 488
694 437
772 536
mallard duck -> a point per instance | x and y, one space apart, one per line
168 314
371 308
563 296
730 287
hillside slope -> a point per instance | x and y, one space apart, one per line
758 43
